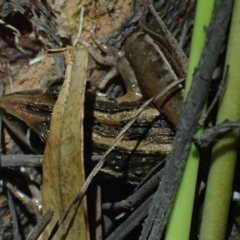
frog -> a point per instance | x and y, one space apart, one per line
18 109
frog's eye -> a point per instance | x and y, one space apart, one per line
35 141
53 92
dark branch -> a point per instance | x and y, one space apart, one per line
175 163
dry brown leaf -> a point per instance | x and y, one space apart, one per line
63 166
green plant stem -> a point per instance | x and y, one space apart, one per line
179 223
220 179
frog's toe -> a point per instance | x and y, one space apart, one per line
110 74
129 97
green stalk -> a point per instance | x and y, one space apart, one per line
219 185
179 223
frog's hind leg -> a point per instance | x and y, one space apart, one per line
107 60
116 60
122 66
110 56
111 51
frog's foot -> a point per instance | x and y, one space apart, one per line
129 97
110 57
111 54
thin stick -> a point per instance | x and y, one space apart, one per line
12 209
21 160
41 225
80 26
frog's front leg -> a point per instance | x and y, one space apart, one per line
119 65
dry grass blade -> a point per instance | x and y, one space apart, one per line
63 166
